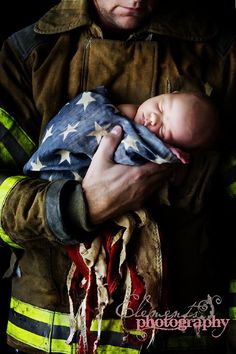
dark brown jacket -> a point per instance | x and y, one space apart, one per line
45 65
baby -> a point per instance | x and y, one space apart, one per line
185 120
155 131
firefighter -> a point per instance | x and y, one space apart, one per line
136 49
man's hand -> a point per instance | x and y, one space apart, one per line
112 189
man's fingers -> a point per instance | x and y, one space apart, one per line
154 170
110 142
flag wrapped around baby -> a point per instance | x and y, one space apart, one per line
107 264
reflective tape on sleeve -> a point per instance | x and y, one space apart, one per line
16 146
6 157
7 185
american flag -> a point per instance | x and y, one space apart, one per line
73 135
67 147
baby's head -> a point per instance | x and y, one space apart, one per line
186 120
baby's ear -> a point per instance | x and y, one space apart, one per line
175 91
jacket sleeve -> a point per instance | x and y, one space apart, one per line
30 209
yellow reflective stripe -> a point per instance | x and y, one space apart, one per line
232 290
58 318
232 286
108 325
48 345
6 157
112 325
109 349
232 189
17 132
37 313
60 346
51 319
5 188
232 313
29 338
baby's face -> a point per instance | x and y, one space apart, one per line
170 117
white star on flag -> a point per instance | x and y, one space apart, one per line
99 131
130 142
86 99
69 129
37 166
65 155
47 134
159 160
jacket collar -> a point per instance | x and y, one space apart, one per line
71 14
67 15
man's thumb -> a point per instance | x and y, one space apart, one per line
110 141
117 130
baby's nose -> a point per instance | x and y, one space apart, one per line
152 119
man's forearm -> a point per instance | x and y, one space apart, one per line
33 210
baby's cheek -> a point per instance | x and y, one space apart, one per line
138 118
154 129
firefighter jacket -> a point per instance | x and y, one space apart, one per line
44 66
